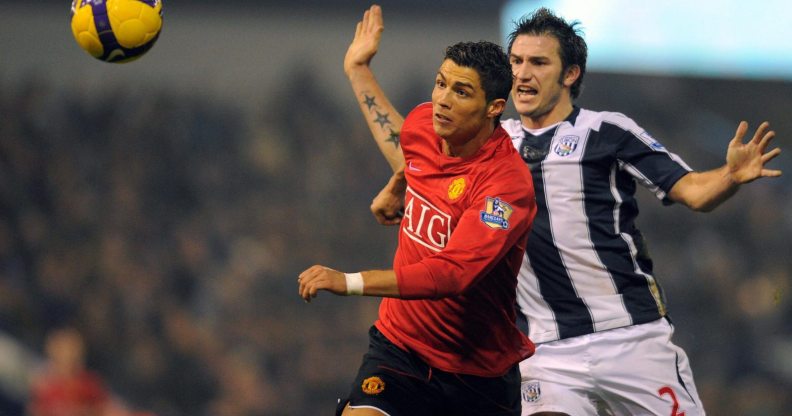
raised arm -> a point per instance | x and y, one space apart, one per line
745 162
383 120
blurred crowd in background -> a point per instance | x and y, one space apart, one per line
166 231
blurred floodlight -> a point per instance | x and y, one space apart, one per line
723 38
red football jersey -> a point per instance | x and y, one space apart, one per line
461 241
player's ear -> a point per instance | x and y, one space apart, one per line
571 75
496 107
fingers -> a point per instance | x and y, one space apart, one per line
386 216
762 138
768 157
384 220
771 173
371 23
375 15
363 25
307 282
765 139
380 218
317 278
358 29
760 132
391 221
739 134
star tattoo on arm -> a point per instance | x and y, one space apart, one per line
369 101
382 119
393 137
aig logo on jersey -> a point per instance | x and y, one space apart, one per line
566 145
496 213
424 223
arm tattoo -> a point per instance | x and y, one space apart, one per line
382 119
393 137
369 101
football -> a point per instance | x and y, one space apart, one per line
116 31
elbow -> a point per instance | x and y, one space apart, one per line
452 287
693 201
701 206
398 168
705 208
450 291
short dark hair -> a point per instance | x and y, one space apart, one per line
570 38
489 61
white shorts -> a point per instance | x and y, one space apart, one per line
634 370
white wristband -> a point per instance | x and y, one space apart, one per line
354 283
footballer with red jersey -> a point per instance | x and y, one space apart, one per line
446 340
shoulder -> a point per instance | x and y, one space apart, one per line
599 120
513 128
421 111
418 123
506 172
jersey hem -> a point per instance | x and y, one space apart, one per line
551 336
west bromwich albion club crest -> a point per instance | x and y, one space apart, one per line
566 145
496 213
531 392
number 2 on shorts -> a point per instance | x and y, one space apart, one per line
670 392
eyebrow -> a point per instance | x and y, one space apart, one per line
458 83
530 58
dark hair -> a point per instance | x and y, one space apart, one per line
570 38
489 61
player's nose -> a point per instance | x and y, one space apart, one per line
521 72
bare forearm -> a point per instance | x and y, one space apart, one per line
704 191
369 283
382 118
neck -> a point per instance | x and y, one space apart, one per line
470 147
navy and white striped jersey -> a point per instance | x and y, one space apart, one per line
586 268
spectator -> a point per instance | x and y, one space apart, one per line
66 387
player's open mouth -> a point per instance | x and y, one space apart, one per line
526 91
441 118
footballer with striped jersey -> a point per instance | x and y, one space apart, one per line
587 295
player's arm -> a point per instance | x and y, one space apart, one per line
745 162
388 205
473 249
369 283
383 120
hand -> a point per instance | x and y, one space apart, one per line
387 208
746 161
388 205
317 278
367 38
